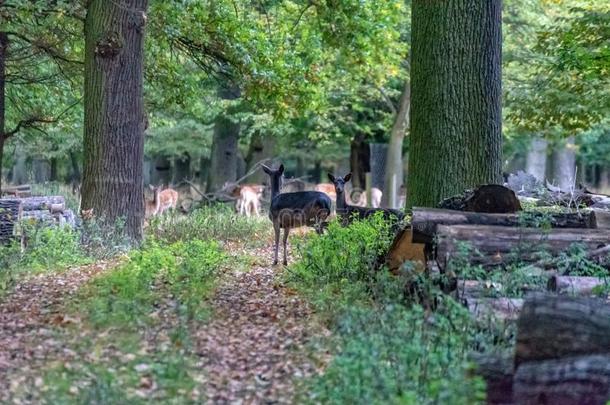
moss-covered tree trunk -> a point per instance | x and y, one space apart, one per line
223 159
394 163
114 112
262 147
456 139
3 49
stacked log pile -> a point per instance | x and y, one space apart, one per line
47 211
10 212
562 355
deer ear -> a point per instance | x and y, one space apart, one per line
347 177
281 169
331 178
266 169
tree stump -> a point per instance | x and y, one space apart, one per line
555 327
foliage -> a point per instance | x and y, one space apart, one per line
385 351
343 259
125 297
217 223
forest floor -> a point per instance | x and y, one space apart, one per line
255 347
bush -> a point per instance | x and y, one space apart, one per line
400 355
344 259
209 223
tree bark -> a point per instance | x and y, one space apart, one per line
182 172
261 147
10 214
3 49
223 159
360 161
555 327
114 113
497 369
426 220
583 380
536 158
456 138
162 170
574 285
499 245
393 165
42 170
20 175
564 166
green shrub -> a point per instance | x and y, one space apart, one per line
210 223
344 259
128 294
400 355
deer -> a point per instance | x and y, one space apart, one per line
328 189
248 199
376 195
293 210
151 208
168 198
347 213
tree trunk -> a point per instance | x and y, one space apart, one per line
114 113
20 175
426 220
3 48
41 169
583 380
564 166
360 161
182 172
261 147
456 138
498 245
536 158
74 168
223 159
393 164
555 327
162 170
54 169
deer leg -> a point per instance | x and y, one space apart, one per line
276 228
286 232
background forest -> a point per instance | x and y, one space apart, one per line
229 83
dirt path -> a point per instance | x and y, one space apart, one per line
255 348
28 316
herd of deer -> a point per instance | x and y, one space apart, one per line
291 209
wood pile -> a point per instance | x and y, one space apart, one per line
47 211
21 191
562 355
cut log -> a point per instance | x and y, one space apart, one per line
42 203
38 216
10 214
498 245
573 285
426 220
490 198
501 309
403 249
24 190
582 380
497 369
554 327
477 289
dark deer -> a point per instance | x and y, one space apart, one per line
293 210
347 212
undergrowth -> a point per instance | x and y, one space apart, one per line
387 350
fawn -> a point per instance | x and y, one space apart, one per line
293 210
168 198
347 212
248 199
151 208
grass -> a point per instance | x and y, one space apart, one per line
386 350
